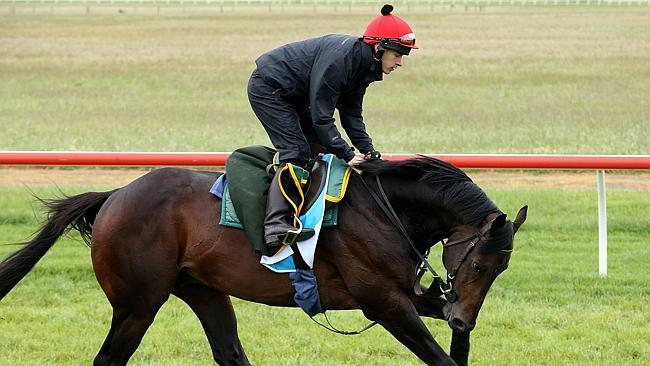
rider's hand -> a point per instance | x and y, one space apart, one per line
358 158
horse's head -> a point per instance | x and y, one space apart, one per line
473 260
440 200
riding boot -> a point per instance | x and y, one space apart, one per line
285 200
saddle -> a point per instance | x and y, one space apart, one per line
244 191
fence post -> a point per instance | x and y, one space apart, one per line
602 224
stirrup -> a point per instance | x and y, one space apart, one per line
291 236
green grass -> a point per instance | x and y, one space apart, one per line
549 308
504 81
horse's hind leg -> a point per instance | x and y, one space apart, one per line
134 309
127 330
135 288
214 310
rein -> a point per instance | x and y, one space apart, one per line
445 287
331 328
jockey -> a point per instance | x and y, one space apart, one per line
294 92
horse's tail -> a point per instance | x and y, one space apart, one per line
76 212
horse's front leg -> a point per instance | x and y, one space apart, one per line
431 304
460 348
400 317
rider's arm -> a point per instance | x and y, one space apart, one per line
327 78
350 109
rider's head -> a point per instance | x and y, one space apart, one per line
390 59
391 38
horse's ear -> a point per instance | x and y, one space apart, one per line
498 222
521 217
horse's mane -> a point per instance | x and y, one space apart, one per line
451 185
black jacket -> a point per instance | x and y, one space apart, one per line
328 72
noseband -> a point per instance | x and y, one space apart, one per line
446 288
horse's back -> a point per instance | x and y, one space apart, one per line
156 194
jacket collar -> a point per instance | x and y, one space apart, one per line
369 63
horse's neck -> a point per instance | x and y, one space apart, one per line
424 216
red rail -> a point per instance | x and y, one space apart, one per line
112 158
219 159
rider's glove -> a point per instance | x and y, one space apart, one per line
372 155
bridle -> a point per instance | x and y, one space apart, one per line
474 239
446 288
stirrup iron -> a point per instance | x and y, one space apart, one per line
292 235
296 234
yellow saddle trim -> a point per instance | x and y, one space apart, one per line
296 207
328 197
344 187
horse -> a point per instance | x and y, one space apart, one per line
158 236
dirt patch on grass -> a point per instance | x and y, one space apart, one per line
628 180
488 179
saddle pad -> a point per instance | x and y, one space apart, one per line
229 216
245 194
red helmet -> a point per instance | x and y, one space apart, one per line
390 31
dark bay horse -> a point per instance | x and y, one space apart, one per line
159 236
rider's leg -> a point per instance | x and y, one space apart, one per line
283 205
282 123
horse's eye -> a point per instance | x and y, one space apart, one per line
477 267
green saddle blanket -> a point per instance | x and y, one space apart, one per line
244 199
